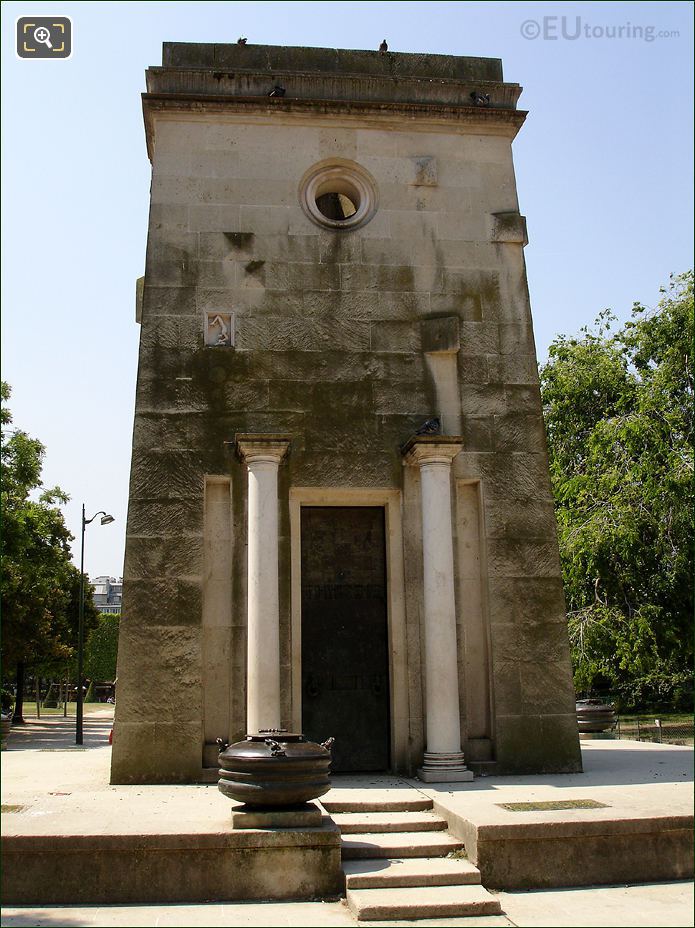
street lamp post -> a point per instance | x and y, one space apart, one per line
105 519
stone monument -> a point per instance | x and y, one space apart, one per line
340 515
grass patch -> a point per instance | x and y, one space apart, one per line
557 806
667 718
460 854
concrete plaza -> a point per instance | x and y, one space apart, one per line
49 786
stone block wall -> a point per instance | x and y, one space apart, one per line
346 341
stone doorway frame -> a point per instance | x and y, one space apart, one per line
390 500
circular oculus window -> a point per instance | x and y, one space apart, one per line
338 194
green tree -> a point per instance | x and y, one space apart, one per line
101 650
618 410
40 585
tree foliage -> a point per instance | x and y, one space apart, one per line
40 585
101 650
619 418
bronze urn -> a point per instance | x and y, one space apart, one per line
594 715
275 768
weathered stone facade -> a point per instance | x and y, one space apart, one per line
339 341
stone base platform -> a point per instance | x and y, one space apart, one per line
626 819
71 838
540 855
141 867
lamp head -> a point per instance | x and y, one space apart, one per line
106 519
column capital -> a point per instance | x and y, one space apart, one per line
431 449
254 447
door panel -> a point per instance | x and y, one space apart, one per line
345 686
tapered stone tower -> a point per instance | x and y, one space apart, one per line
340 512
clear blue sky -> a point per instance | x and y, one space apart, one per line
604 170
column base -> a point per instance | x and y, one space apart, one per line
304 815
444 768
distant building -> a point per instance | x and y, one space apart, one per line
108 593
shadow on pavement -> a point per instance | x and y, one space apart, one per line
54 733
603 766
36 918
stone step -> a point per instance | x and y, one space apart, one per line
416 871
380 822
399 844
421 902
411 802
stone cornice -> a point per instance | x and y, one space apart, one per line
342 87
420 116
254 448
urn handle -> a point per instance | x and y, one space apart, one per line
275 748
221 744
328 744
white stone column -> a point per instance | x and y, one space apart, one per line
443 761
262 455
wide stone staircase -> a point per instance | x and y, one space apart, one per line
400 862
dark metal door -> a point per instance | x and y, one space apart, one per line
345 684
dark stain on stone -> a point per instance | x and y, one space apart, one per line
239 240
334 250
253 266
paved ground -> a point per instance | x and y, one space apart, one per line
71 791
632 779
657 905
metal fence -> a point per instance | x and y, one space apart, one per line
661 732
